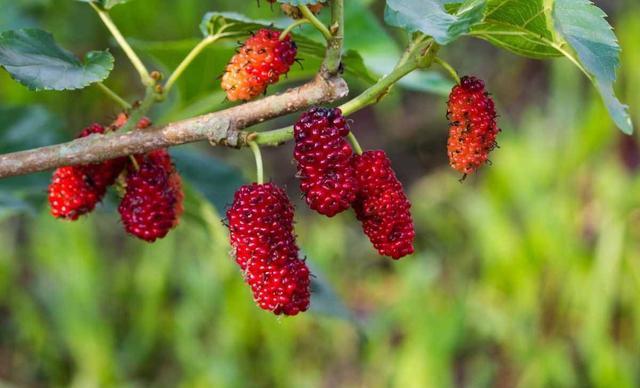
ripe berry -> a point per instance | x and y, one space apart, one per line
382 207
76 190
152 204
261 234
259 62
323 155
472 125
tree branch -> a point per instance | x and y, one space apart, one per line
221 128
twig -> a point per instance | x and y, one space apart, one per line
113 95
133 57
221 128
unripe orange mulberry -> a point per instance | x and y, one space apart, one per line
260 62
472 125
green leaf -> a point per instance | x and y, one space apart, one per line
212 177
23 128
325 301
520 26
33 58
431 18
106 4
584 27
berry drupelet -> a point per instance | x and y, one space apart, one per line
472 125
323 156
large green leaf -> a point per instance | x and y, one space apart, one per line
34 59
584 27
520 26
106 4
431 18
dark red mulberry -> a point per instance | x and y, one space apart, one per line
76 190
472 125
382 206
260 62
261 234
152 204
323 155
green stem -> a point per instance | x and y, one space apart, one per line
354 142
133 57
259 167
379 90
193 54
306 12
333 55
448 68
141 110
287 30
422 57
275 137
114 96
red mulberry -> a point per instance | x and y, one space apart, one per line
382 207
259 63
152 204
472 125
261 233
76 190
326 174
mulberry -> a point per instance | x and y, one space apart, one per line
323 155
261 234
152 204
382 207
260 62
76 190
472 125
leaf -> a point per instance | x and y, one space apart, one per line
212 177
520 26
431 18
325 301
24 128
33 58
584 27
106 4
427 81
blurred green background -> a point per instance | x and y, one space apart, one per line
526 275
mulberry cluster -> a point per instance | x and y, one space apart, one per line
261 233
324 161
472 125
152 204
382 207
76 190
259 62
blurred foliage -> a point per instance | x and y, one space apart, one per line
526 275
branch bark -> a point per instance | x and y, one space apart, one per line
219 128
